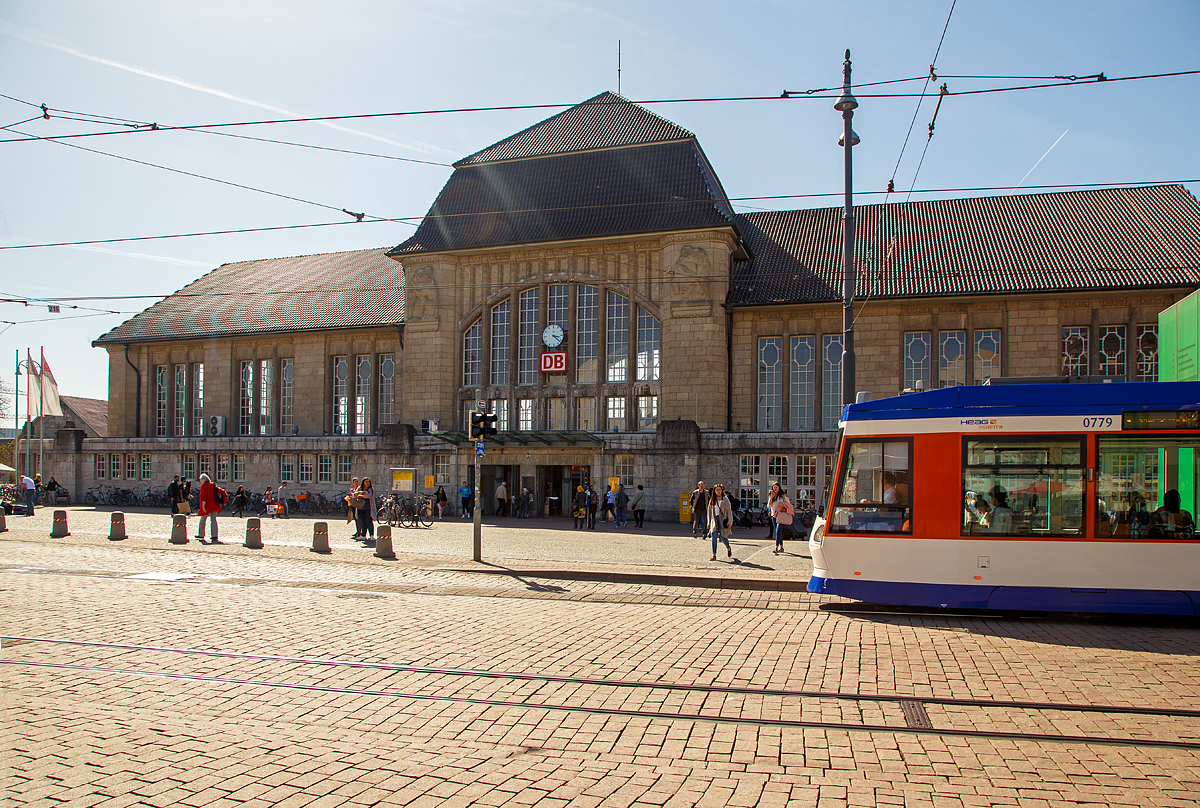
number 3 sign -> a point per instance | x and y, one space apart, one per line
554 362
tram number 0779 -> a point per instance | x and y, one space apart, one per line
1097 423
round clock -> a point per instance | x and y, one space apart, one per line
553 335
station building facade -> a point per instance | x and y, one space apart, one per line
588 279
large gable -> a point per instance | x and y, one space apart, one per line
1114 238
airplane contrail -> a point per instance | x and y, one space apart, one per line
35 38
1043 157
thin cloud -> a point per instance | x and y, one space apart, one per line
35 38
185 262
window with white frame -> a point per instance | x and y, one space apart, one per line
287 396
831 381
287 468
160 401
527 338
623 469
649 337
806 481
1111 345
307 466
558 306
341 395
647 412
585 413
246 398
525 408
181 394
362 395
750 480
131 467
441 469
343 469
239 468
616 413
770 384
387 388
916 360
952 358
587 328
1075 351
617 345
266 397
500 344
777 471
556 414
101 469
324 468
205 466
987 355
222 474
114 467
1147 353
500 410
803 404
198 398
473 355
188 466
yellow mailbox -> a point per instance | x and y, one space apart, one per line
685 508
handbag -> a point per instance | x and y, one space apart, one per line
184 507
784 516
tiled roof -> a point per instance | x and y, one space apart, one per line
644 189
306 293
93 412
1115 238
603 122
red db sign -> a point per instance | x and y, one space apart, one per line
554 362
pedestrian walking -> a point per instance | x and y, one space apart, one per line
502 499
609 506
351 501
621 501
240 501
775 492
782 515
699 505
208 509
637 504
593 505
579 507
268 503
464 493
281 500
720 519
173 495
441 500
184 493
366 511
30 494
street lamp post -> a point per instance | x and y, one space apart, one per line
846 105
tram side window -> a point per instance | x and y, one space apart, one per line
1023 486
874 494
1146 486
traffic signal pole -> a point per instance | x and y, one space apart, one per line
482 426
477 543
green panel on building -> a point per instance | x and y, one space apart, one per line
1179 341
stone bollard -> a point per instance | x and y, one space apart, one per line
59 528
383 542
179 529
253 533
116 530
321 538
3 524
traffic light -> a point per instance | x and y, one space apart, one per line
488 425
477 432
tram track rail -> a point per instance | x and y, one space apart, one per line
917 721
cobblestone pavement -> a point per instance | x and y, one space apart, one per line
347 680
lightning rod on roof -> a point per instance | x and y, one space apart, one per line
618 67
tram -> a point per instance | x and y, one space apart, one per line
1042 497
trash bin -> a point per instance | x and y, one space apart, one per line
685 509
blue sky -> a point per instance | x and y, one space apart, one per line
176 64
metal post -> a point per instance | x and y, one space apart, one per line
847 105
41 411
17 413
477 516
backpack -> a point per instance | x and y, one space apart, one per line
219 495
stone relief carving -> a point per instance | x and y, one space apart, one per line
691 275
421 299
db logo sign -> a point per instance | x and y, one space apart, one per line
554 362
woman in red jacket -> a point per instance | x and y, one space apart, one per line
208 508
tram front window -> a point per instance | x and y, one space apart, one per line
874 493
1023 486
1137 475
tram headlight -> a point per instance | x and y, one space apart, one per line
818 533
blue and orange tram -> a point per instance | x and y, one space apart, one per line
1039 497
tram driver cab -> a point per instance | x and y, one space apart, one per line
875 493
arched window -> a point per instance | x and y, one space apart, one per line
473 355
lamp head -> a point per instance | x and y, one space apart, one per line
854 138
847 103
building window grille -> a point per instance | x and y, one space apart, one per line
500 344
803 383
101 466
770 384
587 326
916 360
806 481
324 468
131 467
1147 356
387 388
1112 350
473 355
952 358
527 352
441 469
239 468
556 414
181 391
246 398
287 468
266 397
623 469
557 313
343 469
647 412
198 398
987 355
307 462
160 402
750 481
114 467
341 395
525 414
205 466
500 410
617 347
831 382
585 413
616 412
287 396
649 339
189 466
777 471
362 395
1075 351
222 474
